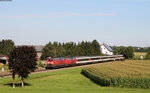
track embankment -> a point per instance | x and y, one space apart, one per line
50 70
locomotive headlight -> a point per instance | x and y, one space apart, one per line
52 62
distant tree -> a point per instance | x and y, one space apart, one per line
115 50
83 49
79 50
148 54
141 49
46 52
6 46
89 49
96 48
121 50
71 49
22 61
129 53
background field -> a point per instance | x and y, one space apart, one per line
65 81
5 69
138 54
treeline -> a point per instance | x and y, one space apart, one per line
6 46
71 49
127 52
141 49
148 54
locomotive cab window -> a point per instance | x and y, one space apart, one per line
50 59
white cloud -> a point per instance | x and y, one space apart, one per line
58 15
21 16
62 14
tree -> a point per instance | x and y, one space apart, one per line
71 49
121 50
148 54
129 53
96 48
82 49
22 61
6 46
115 50
46 52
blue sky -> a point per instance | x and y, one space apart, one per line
115 22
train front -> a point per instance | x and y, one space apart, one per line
50 63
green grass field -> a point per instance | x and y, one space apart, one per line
64 81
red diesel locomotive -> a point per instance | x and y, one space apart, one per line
72 61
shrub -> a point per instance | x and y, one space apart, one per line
147 55
40 64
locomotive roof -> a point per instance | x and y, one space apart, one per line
84 57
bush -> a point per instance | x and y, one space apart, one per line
40 64
127 52
147 55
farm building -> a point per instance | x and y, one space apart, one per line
39 51
3 59
105 49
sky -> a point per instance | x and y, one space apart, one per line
115 22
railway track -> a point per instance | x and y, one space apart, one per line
9 74
45 70
51 70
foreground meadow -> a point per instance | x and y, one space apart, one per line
64 81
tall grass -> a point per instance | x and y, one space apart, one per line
130 74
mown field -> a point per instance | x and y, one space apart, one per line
129 73
64 81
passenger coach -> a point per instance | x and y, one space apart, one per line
72 61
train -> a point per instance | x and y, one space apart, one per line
73 61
